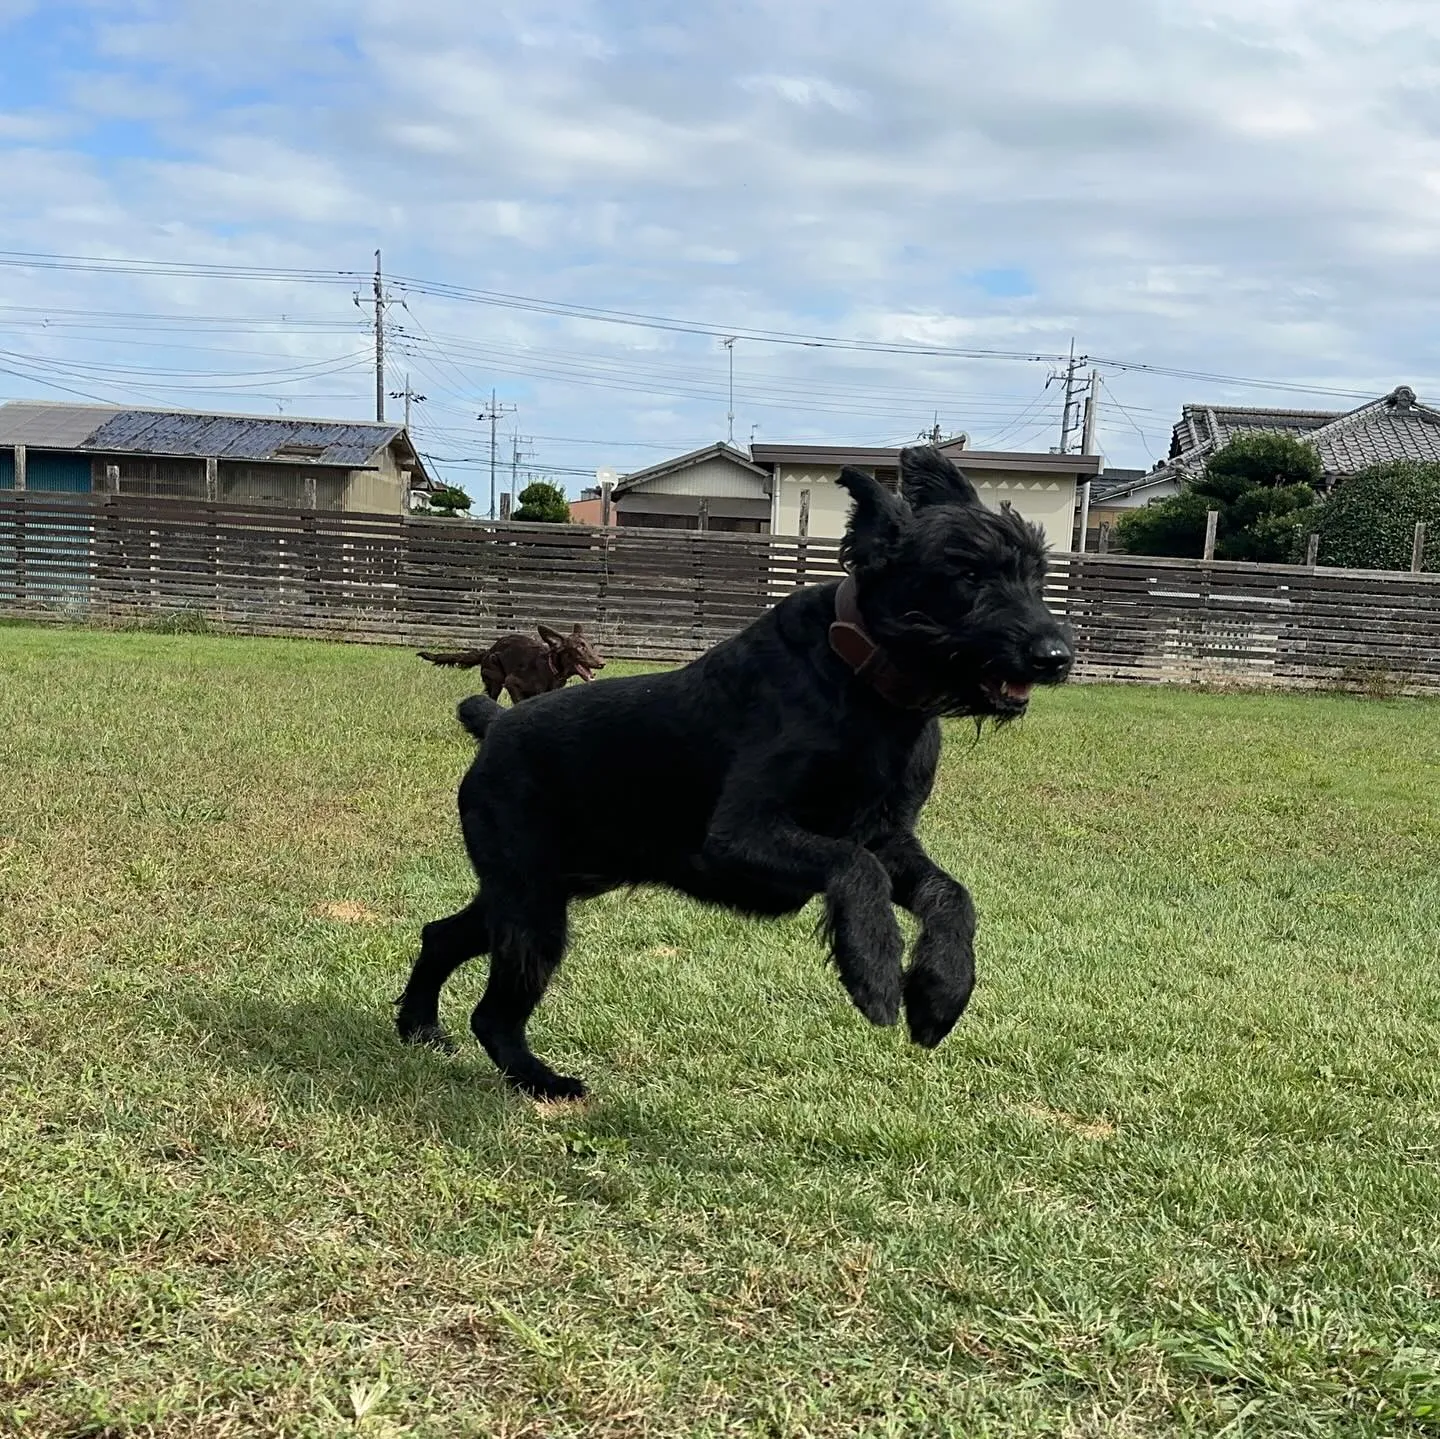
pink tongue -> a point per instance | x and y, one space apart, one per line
1014 691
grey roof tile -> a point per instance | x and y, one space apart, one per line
1395 427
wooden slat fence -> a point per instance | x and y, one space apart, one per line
668 594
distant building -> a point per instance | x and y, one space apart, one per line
1394 427
806 500
182 454
1115 491
792 490
589 509
715 488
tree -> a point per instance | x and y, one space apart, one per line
544 503
1264 487
1369 522
449 499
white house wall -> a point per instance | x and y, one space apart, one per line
1045 500
717 478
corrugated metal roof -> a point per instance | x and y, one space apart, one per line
50 426
350 444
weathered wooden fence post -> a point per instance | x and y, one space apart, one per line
1312 550
1212 522
1417 549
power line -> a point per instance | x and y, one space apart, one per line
1110 390
465 294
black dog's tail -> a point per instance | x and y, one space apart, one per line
477 714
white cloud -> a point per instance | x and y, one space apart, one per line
1226 186
807 91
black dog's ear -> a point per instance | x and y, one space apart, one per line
876 523
928 478
553 638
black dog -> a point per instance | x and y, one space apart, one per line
790 761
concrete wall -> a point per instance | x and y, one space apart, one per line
1045 500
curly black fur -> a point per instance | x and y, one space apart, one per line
763 774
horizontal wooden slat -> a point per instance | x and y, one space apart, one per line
670 595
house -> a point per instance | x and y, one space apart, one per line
1394 427
183 454
1115 491
715 488
805 500
792 490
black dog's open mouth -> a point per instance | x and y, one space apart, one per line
584 672
1008 696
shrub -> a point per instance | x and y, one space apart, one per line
543 502
1263 486
1368 523
448 499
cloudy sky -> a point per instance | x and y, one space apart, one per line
1201 193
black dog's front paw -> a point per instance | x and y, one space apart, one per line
869 965
933 1005
877 998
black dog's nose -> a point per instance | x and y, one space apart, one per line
1050 657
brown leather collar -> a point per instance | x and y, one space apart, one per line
850 641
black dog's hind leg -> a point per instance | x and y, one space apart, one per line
445 944
941 976
527 951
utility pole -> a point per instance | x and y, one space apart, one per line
493 413
1092 415
1067 425
407 394
729 343
381 302
516 455
932 435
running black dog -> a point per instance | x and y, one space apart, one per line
790 761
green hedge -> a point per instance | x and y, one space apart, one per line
1368 523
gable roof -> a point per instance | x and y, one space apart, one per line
1142 480
1114 482
45 424
720 451
1394 427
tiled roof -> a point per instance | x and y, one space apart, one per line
1394 427
1113 481
1208 427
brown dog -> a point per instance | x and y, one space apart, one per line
523 667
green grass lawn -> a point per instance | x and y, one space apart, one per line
1175 1173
